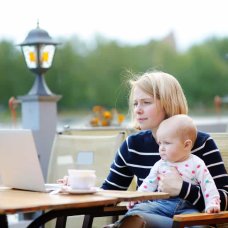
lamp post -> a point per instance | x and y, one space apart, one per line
39 106
38 49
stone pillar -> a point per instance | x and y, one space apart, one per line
39 113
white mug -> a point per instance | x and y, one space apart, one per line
81 179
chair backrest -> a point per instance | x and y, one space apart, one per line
83 152
221 140
98 131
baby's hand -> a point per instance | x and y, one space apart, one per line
63 181
215 206
214 209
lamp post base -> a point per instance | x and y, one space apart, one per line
39 113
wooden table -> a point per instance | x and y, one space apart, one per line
15 201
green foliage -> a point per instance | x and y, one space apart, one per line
14 77
88 74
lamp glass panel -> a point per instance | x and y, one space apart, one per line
30 55
46 55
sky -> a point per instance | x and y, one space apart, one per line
126 21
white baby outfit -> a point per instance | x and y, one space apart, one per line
192 170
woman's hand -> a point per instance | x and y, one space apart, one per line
63 181
131 204
170 182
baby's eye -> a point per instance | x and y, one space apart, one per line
163 142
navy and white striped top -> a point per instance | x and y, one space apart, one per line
139 152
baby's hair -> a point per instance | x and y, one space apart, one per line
184 126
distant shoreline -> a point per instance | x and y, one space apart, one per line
204 123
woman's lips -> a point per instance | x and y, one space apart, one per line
141 119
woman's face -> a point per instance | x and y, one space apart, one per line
148 113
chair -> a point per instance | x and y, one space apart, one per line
221 140
88 151
83 152
98 130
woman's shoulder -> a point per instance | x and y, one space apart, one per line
142 139
202 135
141 135
202 138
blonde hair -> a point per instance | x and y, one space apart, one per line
163 87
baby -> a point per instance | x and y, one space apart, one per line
176 136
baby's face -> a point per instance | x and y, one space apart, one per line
171 147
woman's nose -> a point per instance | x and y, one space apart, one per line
138 109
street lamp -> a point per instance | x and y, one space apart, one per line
38 49
39 106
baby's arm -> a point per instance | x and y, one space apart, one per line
150 183
208 187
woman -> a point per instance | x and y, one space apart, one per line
156 96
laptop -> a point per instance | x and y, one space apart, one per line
19 163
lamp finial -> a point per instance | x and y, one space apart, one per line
38 23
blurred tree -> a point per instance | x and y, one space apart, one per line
14 76
95 73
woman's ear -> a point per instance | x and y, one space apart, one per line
188 144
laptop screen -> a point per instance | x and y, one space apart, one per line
19 163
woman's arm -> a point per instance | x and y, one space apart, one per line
120 176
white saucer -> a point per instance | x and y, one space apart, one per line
3 188
79 191
53 186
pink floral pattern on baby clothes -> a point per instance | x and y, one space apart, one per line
192 170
